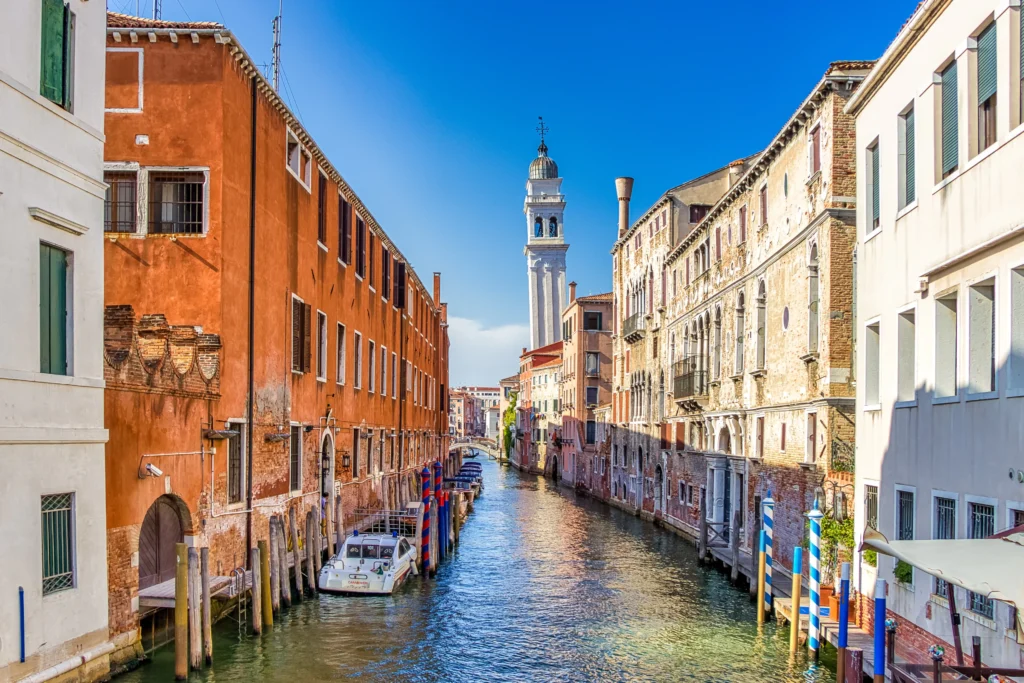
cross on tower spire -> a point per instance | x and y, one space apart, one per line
542 150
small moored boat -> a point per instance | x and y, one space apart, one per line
369 564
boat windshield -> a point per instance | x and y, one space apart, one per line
353 552
370 551
387 552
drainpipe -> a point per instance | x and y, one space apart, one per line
250 398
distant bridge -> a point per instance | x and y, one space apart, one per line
489 446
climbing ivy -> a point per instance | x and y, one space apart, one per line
507 420
903 572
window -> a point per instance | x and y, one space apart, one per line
373 366
743 223
905 519
906 356
871 505
1016 360
538 227
945 346
982 524
950 140
236 463
698 212
341 355
321 348
58 540
987 82
782 439
593 364
873 188
57 58
945 529
355 452
907 160
981 361
371 250
762 306
591 396
591 431
321 210
552 227
815 151
360 248
294 154
763 198
344 231
718 243
394 375
176 202
357 382
758 436
872 371
811 454
591 321
716 363
54 318
812 301
385 273
119 209
399 295
740 332
300 335
295 459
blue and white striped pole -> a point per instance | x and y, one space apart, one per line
768 505
814 630
880 589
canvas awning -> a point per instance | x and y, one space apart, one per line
988 566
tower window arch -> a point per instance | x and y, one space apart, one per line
538 227
552 227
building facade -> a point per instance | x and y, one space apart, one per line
545 249
940 286
586 385
52 499
460 409
531 412
268 347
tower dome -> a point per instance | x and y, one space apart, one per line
543 167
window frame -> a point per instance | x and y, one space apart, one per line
66 345
988 281
357 339
321 346
321 209
70 545
241 426
146 219
302 159
295 458
340 351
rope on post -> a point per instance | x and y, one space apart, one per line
769 524
879 663
814 631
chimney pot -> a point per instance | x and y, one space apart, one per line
572 292
624 191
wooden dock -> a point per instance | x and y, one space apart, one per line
162 594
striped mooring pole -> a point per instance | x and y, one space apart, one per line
425 540
880 588
796 592
760 577
844 621
440 513
814 631
768 505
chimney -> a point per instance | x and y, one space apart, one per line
624 190
735 171
437 289
444 314
572 292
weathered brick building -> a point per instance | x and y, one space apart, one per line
758 394
267 345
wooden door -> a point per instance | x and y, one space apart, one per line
161 532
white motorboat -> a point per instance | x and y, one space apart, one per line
369 564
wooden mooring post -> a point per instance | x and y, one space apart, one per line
318 546
256 592
282 561
329 524
195 626
181 613
339 525
310 552
854 665
734 545
204 568
275 566
296 553
266 594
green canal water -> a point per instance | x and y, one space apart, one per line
546 586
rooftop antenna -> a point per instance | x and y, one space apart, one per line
275 66
157 9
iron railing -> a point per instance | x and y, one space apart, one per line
58 542
119 210
176 202
687 380
842 457
633 325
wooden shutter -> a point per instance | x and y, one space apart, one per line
816 150
718 244
687 271
875 187
783 444
743 224
306 338
53 307
987 79
950 128
910 160
52 71
296 335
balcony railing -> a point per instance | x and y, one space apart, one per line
633 327
688 381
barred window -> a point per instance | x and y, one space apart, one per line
295 459
945 528
119 210
58 538
176 202
982 524
236 464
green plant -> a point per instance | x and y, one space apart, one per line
871 557
904 572
508 419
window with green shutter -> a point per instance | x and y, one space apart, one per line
53 310
874 186
57 53
908 154
950 116
987 82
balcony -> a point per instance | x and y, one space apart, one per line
633 327
689 385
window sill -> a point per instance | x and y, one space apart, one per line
809 357
909 208
359 277
737 378
984 396
873 408
815 176
300 373
321 245
759 373
943 400
946 181
810 466
912 403
979 619
1015 393
322 379
871 235
342 262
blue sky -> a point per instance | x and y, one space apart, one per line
428 109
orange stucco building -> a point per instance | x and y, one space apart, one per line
239 263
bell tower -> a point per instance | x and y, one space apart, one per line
545 246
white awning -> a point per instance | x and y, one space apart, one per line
993 567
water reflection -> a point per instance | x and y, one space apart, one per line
545 587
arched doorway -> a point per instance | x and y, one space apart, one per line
724 440
659 489
162 529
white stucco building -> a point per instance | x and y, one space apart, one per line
940 303
52 501
545 249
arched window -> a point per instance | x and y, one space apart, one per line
538 227
812 301
553 227
717 366
661 397
740 332
762 306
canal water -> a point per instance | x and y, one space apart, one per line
545 586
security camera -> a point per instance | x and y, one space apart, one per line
154 471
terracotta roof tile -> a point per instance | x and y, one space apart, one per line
118 20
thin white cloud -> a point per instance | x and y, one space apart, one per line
483 356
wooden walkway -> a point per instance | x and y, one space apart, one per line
162 594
